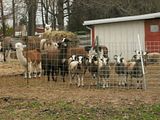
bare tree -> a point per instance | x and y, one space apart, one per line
14 23
60 15
3 19
32 9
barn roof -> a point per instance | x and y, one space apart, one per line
123 19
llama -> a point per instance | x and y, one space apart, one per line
30 60
54 60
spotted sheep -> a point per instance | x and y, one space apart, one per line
124 69
99 66
77 67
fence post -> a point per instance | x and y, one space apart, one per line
26 39
97 47
144 80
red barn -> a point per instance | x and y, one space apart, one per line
120 34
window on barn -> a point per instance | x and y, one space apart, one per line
154 28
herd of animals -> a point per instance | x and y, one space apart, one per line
53 59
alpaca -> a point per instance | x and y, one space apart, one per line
48 28
30 60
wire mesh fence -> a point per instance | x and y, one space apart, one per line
78 66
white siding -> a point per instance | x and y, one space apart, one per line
121 37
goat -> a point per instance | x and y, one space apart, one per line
77 68
30 60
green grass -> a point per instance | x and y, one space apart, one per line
63 110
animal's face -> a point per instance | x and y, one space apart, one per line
138 55
48 28
19 46
118 59
91 55
105 60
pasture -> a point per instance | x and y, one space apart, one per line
41 99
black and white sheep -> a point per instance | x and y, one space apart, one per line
99 67
77 68
128 68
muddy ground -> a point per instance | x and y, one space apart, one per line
14 86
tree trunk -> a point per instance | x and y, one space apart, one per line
46 12
14 24
32 8
42 13
3 19
60 15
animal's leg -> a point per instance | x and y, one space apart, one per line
104 82
29 69
107 83
79 81
34 71
9 55
40 69
82 80
25 73
119 80
70 77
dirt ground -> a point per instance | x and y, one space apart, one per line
12 84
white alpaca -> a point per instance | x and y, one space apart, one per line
48 28
33 61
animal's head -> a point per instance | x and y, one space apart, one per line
138 55
118 58
105 60
64 43
48 28
19 46
91 55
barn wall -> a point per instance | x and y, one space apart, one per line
152 39
121 37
